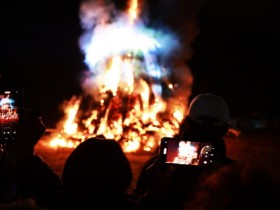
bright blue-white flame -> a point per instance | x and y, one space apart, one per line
6 101
147 50
119 38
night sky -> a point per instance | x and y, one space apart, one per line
234 50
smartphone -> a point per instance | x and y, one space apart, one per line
11 104
185 152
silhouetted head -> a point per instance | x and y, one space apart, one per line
96 169
31 129
208 117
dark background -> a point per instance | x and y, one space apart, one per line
234 50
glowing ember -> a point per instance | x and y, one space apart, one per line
128 95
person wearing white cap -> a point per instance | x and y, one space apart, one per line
167 187
208 120
207 113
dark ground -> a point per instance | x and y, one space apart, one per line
261 148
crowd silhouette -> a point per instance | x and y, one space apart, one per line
97 173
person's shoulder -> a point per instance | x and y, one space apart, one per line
35 163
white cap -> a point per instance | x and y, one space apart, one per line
209 105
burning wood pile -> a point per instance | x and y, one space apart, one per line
131 93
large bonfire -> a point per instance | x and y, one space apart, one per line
133 93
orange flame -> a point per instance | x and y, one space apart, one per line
125 107
133 11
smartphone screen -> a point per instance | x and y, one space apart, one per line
11 101
185 152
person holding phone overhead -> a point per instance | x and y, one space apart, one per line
166 186
24 174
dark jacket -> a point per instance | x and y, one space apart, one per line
35 179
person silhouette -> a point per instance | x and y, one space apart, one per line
162 186
96 175
25 174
